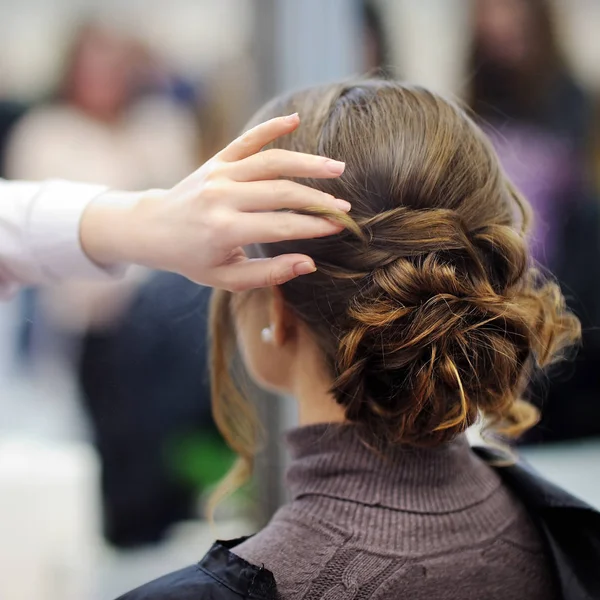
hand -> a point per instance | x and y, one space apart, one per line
200 226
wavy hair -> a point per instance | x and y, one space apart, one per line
427 307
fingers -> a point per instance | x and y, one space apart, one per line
275 163
263 272
258 137
255 196
266 228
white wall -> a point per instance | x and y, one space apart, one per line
428 37
429 40
580 26
194 34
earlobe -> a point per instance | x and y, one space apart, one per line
266 335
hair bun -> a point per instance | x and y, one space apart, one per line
439 336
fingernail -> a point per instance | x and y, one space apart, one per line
335 166
292 117
343 205
304 268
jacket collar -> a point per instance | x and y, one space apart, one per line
247 580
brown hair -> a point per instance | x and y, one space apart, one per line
426 308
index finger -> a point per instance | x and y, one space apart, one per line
255 139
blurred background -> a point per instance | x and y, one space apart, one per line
107 447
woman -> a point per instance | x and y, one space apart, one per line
424 314
97 130
540 122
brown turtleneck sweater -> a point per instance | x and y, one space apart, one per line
416 524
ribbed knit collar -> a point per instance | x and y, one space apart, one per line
332 461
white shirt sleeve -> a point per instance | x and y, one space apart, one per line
39 234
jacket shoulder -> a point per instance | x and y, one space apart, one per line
189 583
220 575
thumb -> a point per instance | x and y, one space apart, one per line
254 273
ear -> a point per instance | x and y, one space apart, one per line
283 321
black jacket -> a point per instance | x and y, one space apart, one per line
569 527
220 575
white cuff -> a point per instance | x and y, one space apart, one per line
53 232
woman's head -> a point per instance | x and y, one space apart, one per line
515 56
99 76
425 311
514 32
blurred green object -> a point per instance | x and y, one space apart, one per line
200 458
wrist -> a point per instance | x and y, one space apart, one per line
108 228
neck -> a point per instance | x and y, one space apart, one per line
339 462
311 385
409 499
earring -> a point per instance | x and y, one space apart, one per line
266 335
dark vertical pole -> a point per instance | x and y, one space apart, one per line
297 43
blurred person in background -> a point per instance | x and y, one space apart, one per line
99 129
105 124
146 387
540 121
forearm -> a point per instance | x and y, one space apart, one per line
39 233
